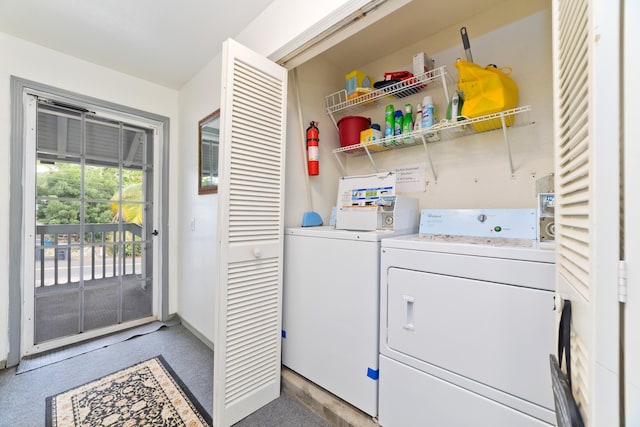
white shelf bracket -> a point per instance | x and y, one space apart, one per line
507 145
444 86
373 163
333 119
337 156
433 169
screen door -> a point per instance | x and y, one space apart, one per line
92 222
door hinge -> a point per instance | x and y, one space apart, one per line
622 281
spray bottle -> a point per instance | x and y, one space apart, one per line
407 124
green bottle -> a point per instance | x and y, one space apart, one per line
407 124
388 121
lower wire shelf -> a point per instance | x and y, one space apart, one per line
442 131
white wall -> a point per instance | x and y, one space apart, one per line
316 78
32 62
197 246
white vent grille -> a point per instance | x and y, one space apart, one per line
256 163
252 327
573 163
573 144
579 372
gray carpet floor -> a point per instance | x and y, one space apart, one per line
22 396
53 356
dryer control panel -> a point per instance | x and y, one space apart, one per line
507 223
546 213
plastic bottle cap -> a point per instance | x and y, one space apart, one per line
375 126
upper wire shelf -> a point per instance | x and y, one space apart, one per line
338 101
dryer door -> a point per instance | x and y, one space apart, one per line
496 334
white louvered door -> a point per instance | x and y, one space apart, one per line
586 110
632 211
250 234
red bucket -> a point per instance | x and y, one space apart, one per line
349 129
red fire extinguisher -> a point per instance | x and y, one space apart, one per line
312 149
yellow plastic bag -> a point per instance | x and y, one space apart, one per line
486 90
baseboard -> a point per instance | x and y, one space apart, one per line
3 364
331 408
206 341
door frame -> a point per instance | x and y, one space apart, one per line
19 87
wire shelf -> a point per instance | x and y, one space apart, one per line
338 101
444 130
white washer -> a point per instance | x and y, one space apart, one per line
331 305
466 329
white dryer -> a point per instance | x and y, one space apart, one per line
466 329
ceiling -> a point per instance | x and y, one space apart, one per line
162 41
407 25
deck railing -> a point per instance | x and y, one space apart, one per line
60 247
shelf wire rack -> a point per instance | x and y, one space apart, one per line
442 131
338 101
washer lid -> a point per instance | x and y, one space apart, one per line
330 232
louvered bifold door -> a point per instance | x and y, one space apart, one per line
631 160
586 120
250 234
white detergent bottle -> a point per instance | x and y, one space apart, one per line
427 112
417 124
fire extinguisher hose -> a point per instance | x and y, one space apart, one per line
309 218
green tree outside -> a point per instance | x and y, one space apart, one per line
58 187
62 180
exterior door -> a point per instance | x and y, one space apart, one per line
89 222
250 234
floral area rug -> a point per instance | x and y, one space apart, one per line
148 393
